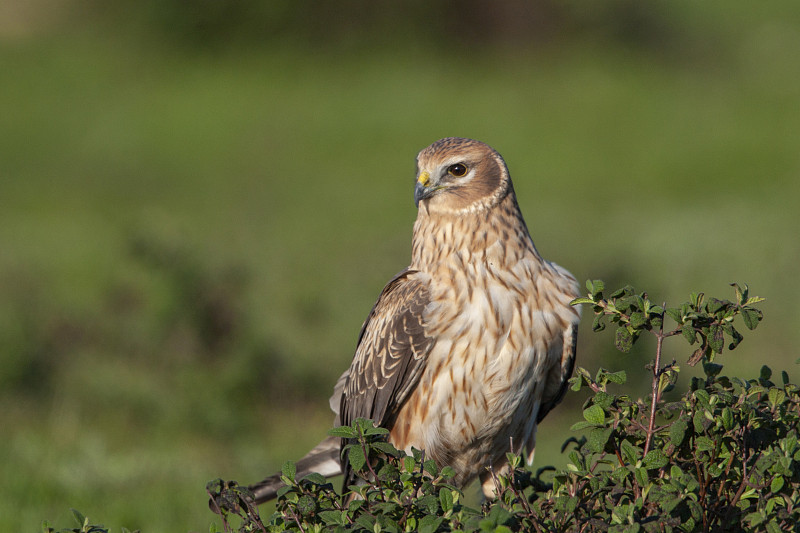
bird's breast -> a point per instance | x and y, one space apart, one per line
492 344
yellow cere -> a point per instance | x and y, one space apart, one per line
424 178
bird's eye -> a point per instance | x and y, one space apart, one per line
457 170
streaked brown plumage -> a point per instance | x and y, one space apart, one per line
470 347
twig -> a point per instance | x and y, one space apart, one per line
656 393
296 520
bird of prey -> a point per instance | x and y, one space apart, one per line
469 347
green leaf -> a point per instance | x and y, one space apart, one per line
630 452
366 521
775 396
429 503
619 475
577 459
716 340
599 323
777 483
594 414
675 314
333 517
289 470
598 438
431 467
703 397
355 455
704 444
581 300
429 523
385 447
689 333
751 317
696 299
315 478
656 321
638 320
773 527
753 519
727 418
603 399
715 305
699 421
623 339
345 432
641 476
627 290
79 517
617 377
626 304
446 499
677 431
670 504
595 287
655 459
741 294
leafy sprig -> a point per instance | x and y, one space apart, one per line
723 457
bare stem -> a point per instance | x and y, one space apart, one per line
656 393
296 520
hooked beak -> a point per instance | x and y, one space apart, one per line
422 188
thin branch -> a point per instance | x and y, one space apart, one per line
296 520
656 393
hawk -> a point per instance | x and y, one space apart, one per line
468 348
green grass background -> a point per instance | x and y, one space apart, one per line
192 231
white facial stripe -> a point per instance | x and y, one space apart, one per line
452 161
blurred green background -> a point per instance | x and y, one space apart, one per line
199 203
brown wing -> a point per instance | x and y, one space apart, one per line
558 377
391 353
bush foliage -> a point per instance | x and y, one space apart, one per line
721 457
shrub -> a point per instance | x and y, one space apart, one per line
722 457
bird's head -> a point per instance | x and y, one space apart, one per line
457 175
